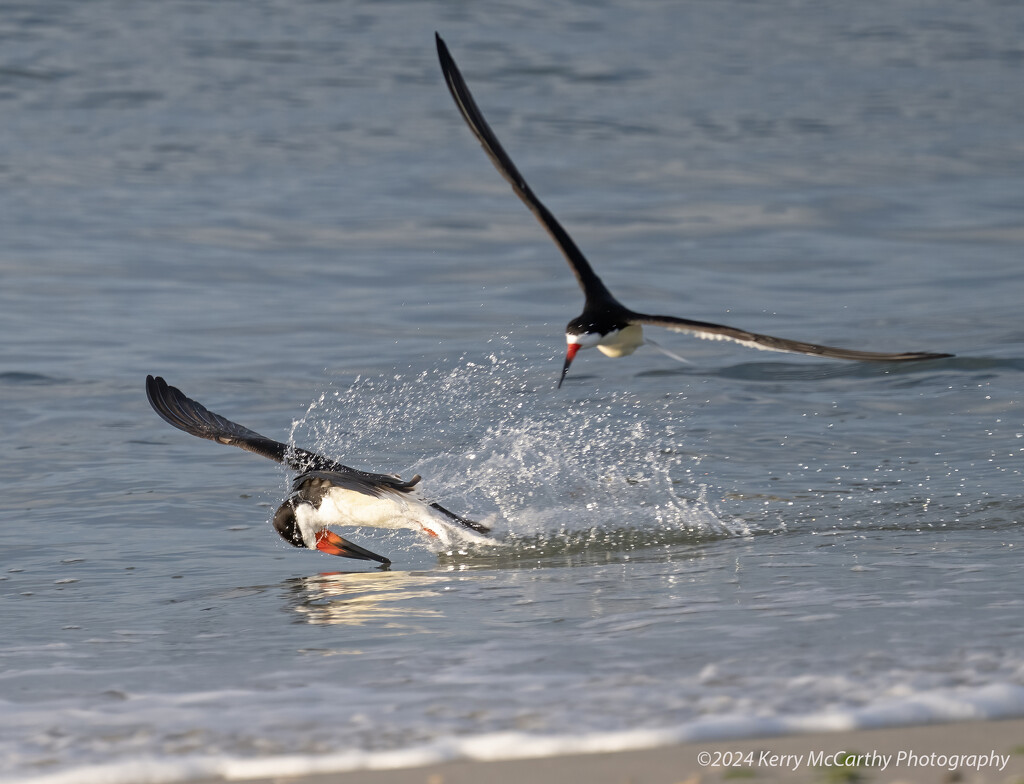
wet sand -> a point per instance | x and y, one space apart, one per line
968 752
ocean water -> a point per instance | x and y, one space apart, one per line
276 206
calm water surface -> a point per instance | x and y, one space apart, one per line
276 206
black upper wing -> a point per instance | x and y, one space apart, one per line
593 288
186 414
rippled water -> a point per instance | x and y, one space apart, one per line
276 206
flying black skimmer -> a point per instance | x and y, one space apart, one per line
605 322
325 493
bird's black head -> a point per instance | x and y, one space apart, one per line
589 328
585 325
598 320
287 525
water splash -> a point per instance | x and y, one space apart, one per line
544 470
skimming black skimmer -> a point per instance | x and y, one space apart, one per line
325 493
605 322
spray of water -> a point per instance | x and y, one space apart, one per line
543 469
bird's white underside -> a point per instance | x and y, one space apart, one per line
346 508
341 507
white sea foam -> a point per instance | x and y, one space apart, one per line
995 701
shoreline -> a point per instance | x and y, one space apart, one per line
974 752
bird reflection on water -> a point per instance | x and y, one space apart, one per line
388 600
397 600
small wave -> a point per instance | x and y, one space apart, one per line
28 379
995 701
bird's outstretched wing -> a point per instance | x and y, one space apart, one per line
708 331
175 408
596 293
593 288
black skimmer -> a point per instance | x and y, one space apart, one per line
325 493
605 322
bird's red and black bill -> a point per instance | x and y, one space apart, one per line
332 544
570 355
